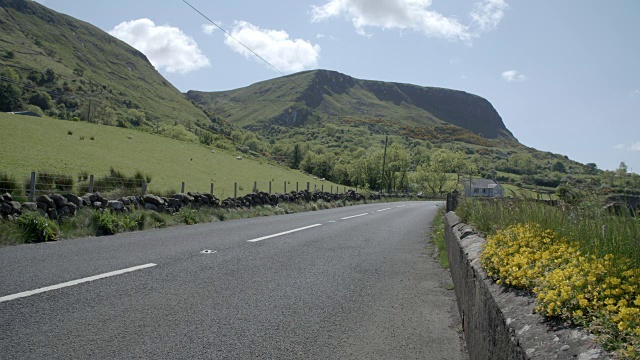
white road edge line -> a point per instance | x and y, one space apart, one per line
74 282
384 209
283 233
399 206
354 216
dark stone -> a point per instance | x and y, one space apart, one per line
74 199
6 209
175 203
59 200
7 197
64 212
47 200
72 208
42 206
150 206
115 205
15 207
184 198
97 205
152 199
53 213
30 206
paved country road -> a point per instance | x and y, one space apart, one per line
356 282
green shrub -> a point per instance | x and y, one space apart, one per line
35 228
106 223
8 184
64 182
189 216
158 220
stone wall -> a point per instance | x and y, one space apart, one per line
500 323
55 206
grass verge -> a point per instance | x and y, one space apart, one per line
582 263
437 236
89 222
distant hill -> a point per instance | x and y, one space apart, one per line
74 61
323 94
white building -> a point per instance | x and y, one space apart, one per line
482 187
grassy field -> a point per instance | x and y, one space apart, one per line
514 191
45 145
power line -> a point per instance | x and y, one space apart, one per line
240 42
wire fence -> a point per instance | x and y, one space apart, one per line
42 183
115 185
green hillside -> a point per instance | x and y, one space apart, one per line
74 62
65 147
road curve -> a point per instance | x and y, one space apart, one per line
356 282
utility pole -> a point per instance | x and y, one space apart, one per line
384 159
89 112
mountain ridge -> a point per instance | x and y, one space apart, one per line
330 93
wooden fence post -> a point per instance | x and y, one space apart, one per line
32 187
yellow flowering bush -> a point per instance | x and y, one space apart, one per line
589 291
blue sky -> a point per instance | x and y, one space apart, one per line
564 75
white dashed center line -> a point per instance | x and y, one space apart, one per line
283 233
74 282
354 216
384 209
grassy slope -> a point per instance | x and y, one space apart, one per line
259 101
43 144
267 99
41 38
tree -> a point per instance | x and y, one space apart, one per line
296 157
41 99
558 166
431 178
622 169
591 168
398 163
10 94
522 163
236 136
136 117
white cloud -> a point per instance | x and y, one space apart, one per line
275 46
635 147
619 146
412 15
513 75
166 47
635 93
487 14
455 61
210 28
393 14
323 36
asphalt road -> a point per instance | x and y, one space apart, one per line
360 284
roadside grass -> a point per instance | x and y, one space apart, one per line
167 161
88 222
437 236
581 262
